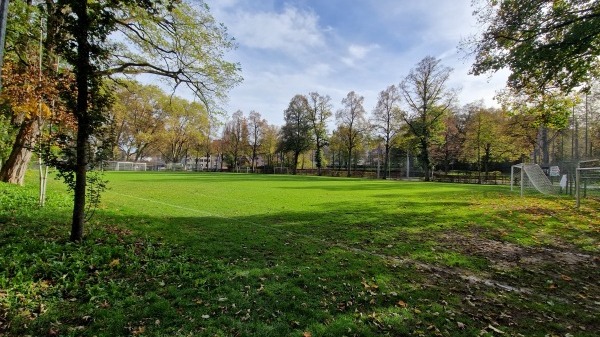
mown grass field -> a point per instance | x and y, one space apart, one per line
182 254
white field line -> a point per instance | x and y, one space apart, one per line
165 204
464 275
222 217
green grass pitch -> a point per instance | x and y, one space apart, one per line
180 254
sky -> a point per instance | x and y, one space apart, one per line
337 46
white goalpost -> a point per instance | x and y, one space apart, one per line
531 176
125 166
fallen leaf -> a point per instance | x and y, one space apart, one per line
402 304
495 330
306 334
140 330
114 263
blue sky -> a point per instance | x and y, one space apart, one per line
336 46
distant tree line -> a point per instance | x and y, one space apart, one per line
419 117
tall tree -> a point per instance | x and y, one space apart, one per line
165 38
427 101
32 85
352 118
386 119
487 138
208 143
28 96
320 110
235 138
545 112
183 124
270 143
256 130
295 133
545 44
450 146
137 118
336 147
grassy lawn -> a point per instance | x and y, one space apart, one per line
181 254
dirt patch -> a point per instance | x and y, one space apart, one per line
503 255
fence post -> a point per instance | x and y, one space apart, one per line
577 178
522 178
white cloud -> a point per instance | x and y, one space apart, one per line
290 31
356 53
286 50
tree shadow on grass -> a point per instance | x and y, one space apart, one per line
302 239
344 269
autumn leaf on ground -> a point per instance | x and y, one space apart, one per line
140 330
495 329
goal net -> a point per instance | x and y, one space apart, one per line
125 166
531 177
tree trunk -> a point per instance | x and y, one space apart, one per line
349 166
82 76
386 160
545 145
80 183
296 155
253 158
13 170
486 160
425 159
319 159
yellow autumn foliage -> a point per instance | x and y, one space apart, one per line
32 109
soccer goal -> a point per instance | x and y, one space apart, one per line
531 177
587 180
125 166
